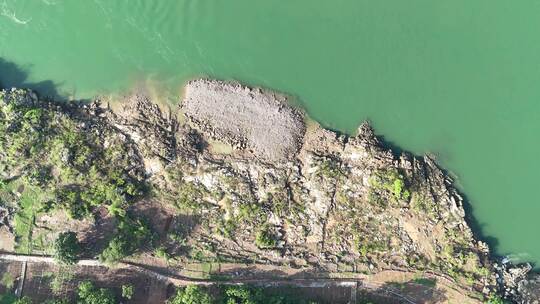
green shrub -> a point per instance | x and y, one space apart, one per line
7 298
89 294
127 291
57 301
190 196
191 294
495 299
67 248
60 278
330 168
249 212
23 300
7 280
161 252
130 235
428 282
265 239
392 181
250 295
228 227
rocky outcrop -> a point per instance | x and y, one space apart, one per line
516 282
528 290
6 218
318 198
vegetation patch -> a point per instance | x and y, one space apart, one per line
330 167
191 294
266 238
30 203
8 298
428 282
89 294
243 294
392 181
189 196
67 248
8 281
63 158
127 291
131 234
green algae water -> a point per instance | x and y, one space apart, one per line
460 79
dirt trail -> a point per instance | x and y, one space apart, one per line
357 282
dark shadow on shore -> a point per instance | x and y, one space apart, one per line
13 75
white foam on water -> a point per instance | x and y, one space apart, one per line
49 2
10 14
518 257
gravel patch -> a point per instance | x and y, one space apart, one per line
248 118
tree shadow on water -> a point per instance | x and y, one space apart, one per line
13 75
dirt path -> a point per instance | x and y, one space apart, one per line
356 282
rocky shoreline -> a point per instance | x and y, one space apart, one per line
241 116
287 194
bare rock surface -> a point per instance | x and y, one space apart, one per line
250 118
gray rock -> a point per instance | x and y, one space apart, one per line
246 118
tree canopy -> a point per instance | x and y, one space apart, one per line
89 294
67 248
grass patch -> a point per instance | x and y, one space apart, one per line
8 280
330 167
30 203
426 282
265 238
7 299
392 181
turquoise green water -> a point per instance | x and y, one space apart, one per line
457 78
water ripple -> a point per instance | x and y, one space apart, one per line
10 14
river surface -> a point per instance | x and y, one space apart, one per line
460 78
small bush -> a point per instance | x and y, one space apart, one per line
265 239
330 168
23 300
127 291
57 301
89 294
495 299
392 181
161 252
190 196
250 295
60 278
131 234
191 294
8 280
67 247
228 227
